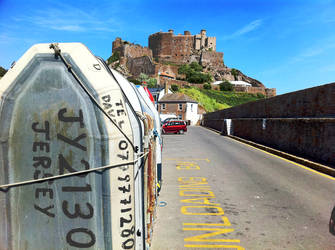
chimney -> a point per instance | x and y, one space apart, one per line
166 88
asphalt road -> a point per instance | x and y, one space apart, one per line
221 194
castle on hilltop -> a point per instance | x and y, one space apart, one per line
167 51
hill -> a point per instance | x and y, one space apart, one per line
167 52
213 100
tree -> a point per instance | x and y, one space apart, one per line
195 66
194 74
260 95
234 72
143 77
184 69
135 81
175 88
114 57
207 86
226 86
152 83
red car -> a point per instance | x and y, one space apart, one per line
175 126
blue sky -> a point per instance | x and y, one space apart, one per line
286 44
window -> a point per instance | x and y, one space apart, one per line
180 117
180 106
163 106
191 107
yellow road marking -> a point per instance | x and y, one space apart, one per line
216 246
187 159
292 162
219 210
197 191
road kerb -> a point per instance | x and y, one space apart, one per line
313 165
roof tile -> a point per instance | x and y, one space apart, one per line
176 97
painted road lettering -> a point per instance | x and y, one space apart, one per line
187 166
198 203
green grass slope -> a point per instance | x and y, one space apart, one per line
213 100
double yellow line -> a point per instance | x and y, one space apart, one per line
279 157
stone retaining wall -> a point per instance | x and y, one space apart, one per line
301 122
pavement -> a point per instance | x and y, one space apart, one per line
219 193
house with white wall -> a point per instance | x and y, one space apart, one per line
180 105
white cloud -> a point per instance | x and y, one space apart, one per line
68 28
68 18
246 29
312 52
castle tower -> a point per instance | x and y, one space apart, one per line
203 39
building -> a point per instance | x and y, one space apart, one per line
158 94
167 51
179 49
240 84
180 105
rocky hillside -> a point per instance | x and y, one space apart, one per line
167 52
230 74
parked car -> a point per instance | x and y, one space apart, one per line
168 119
175 126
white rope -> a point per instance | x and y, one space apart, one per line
6 186
57 50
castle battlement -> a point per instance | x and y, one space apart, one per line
166 46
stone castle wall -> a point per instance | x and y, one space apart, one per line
139 65
211 58
166 51
129 50
161 45
301 122
169 82
256 90
180 49
134 51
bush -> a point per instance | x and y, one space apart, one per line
114 57
195 66
135 81
260 95
226 86
143 77
175 88
152 83
193 73
234 72
207 86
